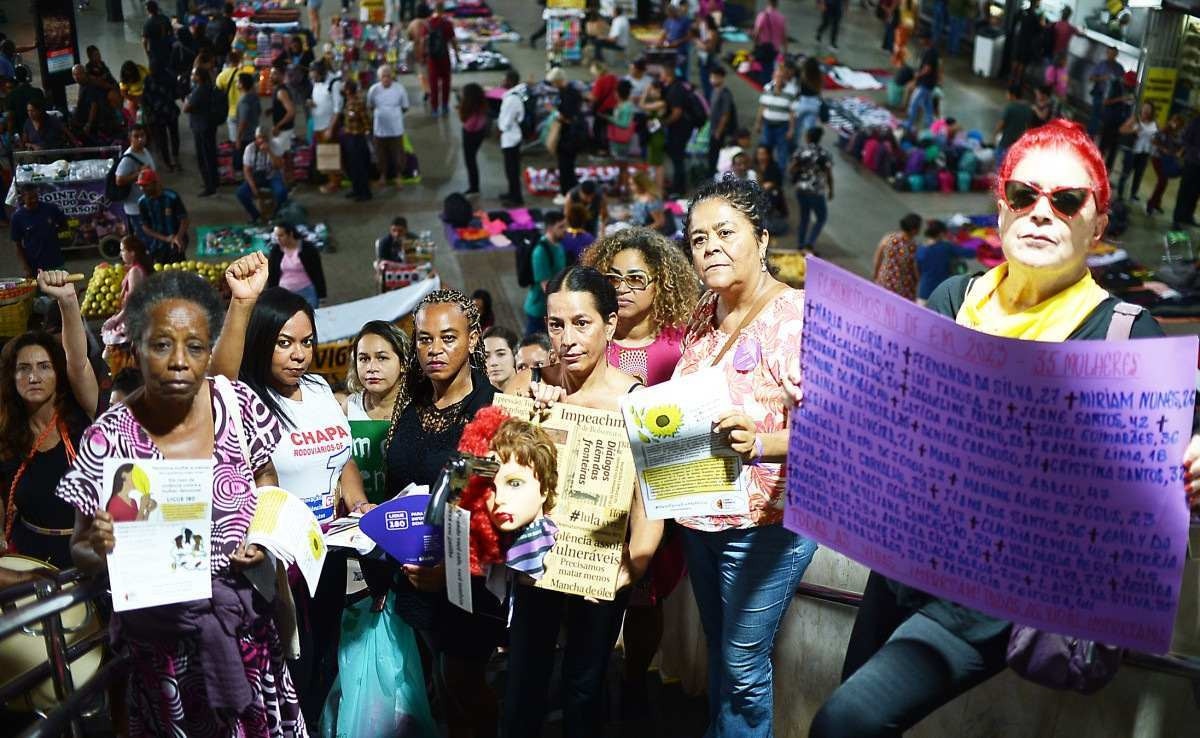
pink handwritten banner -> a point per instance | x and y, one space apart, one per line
1037 482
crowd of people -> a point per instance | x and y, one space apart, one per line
612 306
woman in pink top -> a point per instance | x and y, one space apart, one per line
138 265
656 291
295 265
744 565
472 111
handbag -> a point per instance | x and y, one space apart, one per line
823 112
329 157
618 135
1061 662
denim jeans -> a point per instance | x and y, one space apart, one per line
1132 164
1096 114
808 115
941 19
810 205
246 197
922 101
774 137
591 633
958 29
309 294
744 580
921 667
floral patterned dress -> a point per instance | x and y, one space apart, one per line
898 265
167 688
755 368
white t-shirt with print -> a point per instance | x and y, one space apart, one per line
310 455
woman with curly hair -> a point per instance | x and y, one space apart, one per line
656 292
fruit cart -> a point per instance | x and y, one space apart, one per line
73 179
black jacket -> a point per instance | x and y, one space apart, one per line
310 258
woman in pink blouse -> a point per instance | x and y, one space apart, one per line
295 265
472 112
656 292
744 567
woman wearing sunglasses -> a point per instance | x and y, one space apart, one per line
909 652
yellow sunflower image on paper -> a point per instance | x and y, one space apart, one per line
315 543
662 421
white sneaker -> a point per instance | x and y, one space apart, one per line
560 200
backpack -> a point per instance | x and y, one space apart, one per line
695 109
219 107
524 255
435 44
529 121
118 192
456 210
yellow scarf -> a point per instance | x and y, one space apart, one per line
1051 320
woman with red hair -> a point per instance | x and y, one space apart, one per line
910 652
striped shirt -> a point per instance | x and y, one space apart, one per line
777 107
164 213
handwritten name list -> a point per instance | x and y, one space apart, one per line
1037 482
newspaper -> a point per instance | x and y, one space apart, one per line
595 486
285 526
683 468
162 524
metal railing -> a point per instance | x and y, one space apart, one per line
53 595
1187 667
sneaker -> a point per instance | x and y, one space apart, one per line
207 193
560 200
470 192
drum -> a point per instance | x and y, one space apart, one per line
21 652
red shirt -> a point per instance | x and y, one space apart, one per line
604 92
1063 31
440 24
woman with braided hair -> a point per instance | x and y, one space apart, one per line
446 384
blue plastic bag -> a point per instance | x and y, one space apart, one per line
380 687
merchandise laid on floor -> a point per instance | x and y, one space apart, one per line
494 229
543 182
74 180
939 160
484 30
231 241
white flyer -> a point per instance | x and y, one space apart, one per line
683 468
162 522
286 527
457 531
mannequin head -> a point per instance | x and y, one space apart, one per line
528 475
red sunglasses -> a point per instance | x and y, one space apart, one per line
1066 201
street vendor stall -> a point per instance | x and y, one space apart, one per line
564 34
358 49
417 264
73 179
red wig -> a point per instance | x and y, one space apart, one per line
476 440
1066 135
